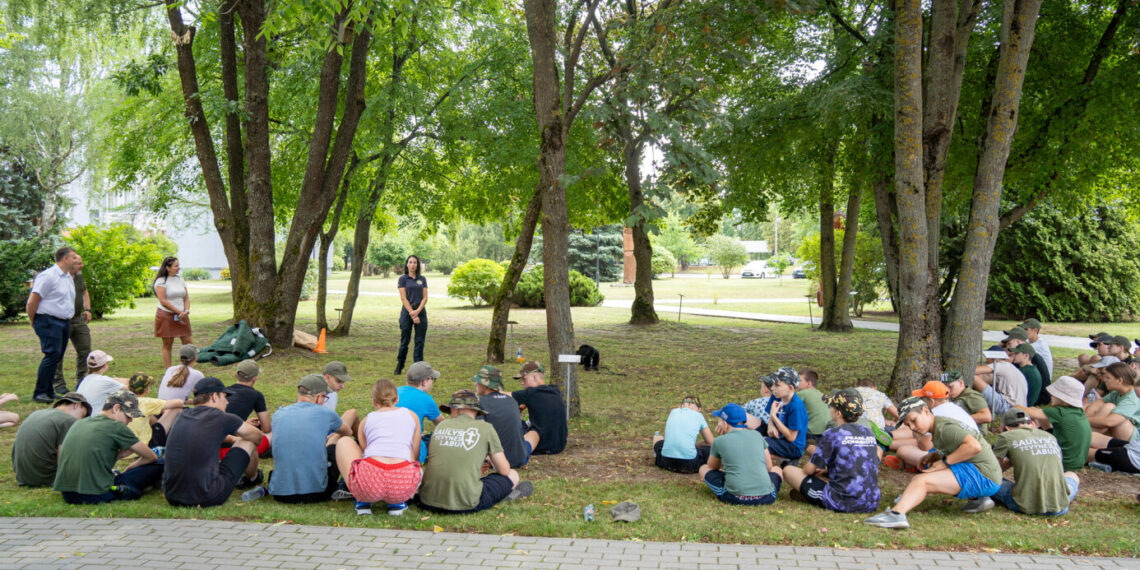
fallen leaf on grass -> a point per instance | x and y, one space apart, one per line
992 550
425 518
609 502
437 528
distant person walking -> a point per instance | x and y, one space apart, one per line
172 318
50 307
413 297
80 334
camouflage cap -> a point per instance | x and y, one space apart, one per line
140 382
127 401
530 366
490 377
848 401
463 400
911 404
951 377
785 374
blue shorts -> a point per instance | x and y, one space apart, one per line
997 403
526 456
973 483
714 479
784 448
1005 497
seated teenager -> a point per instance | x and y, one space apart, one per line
545 408
758 408
1001 382
35 451
843 473
1107 352
1036 371
1041 486
786 430
911 448
248 401
456 453
96 386
1117 418
194 477
304 462
503 413
875 403
677 450
968 399
818 415
384 467
157 415
963 466
1065 416
93 445
740 470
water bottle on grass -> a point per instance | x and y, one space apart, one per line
254 493
589 514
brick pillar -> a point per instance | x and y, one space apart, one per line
629 264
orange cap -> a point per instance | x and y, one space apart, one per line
933 389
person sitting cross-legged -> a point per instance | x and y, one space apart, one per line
157 415
677 450
911 452
968 399
843 473
963 465
304 454
740 470
458 448
248 401
786 430
503 413
1116 418
384 467
93 445
544 406
1001 381
1041 485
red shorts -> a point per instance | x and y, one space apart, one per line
262 447
371 481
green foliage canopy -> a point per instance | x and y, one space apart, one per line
476 280
116 265
727 252
868 281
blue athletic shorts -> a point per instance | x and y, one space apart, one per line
714 480
1005 497
973 483
784 448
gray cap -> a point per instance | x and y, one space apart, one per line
626 511
312 385
248 369
421 371
337 370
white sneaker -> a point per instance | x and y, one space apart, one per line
363 508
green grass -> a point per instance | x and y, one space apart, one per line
647 371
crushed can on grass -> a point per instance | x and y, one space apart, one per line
589 514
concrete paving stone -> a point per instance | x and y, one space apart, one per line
198 565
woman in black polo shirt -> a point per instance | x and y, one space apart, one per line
413 297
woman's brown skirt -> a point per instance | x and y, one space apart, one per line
166 327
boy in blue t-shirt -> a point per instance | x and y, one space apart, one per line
414 397
677 451
786 429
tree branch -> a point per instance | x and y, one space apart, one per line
833 11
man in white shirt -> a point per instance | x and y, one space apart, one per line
50 307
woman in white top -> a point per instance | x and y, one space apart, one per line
384 467
172 318
179 381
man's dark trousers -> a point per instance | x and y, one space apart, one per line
53 333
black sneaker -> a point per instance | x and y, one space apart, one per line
43 399
399 369
247 483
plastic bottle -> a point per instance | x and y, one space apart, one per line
657 434
589 514
519 356
254 493
159 451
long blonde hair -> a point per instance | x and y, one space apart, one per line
179 378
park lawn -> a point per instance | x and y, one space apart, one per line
646 371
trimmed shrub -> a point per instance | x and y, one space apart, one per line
529 292
309 285
195 274
225 274
20 260
663 262
727 252
476 280
338 264
117 266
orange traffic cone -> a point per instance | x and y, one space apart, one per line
321 344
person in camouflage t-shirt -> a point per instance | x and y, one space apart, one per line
843 473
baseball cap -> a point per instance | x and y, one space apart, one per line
848 401
248 369
528 367
1016 333
489 376
911 404
1098 335
933 389
1023 349
733 415
127 401
1013 417
626 511
210 385
1122 341
337 370
140 381
1069 390
463 400
74 398
422 371
313 384
951 377
785 374
995 352
97 358
1100 338
1030 324
188 352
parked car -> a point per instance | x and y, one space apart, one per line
798 273
757 269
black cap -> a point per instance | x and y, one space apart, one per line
209 385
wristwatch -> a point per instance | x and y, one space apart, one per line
946 463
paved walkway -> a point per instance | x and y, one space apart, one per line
663 310
151 543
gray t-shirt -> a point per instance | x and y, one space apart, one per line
1010 383
503 414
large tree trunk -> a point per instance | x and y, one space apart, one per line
967 308
915 341
642 311
827 277
360 240
884 209
326 242
497 340
840 316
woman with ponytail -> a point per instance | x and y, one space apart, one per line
179 380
